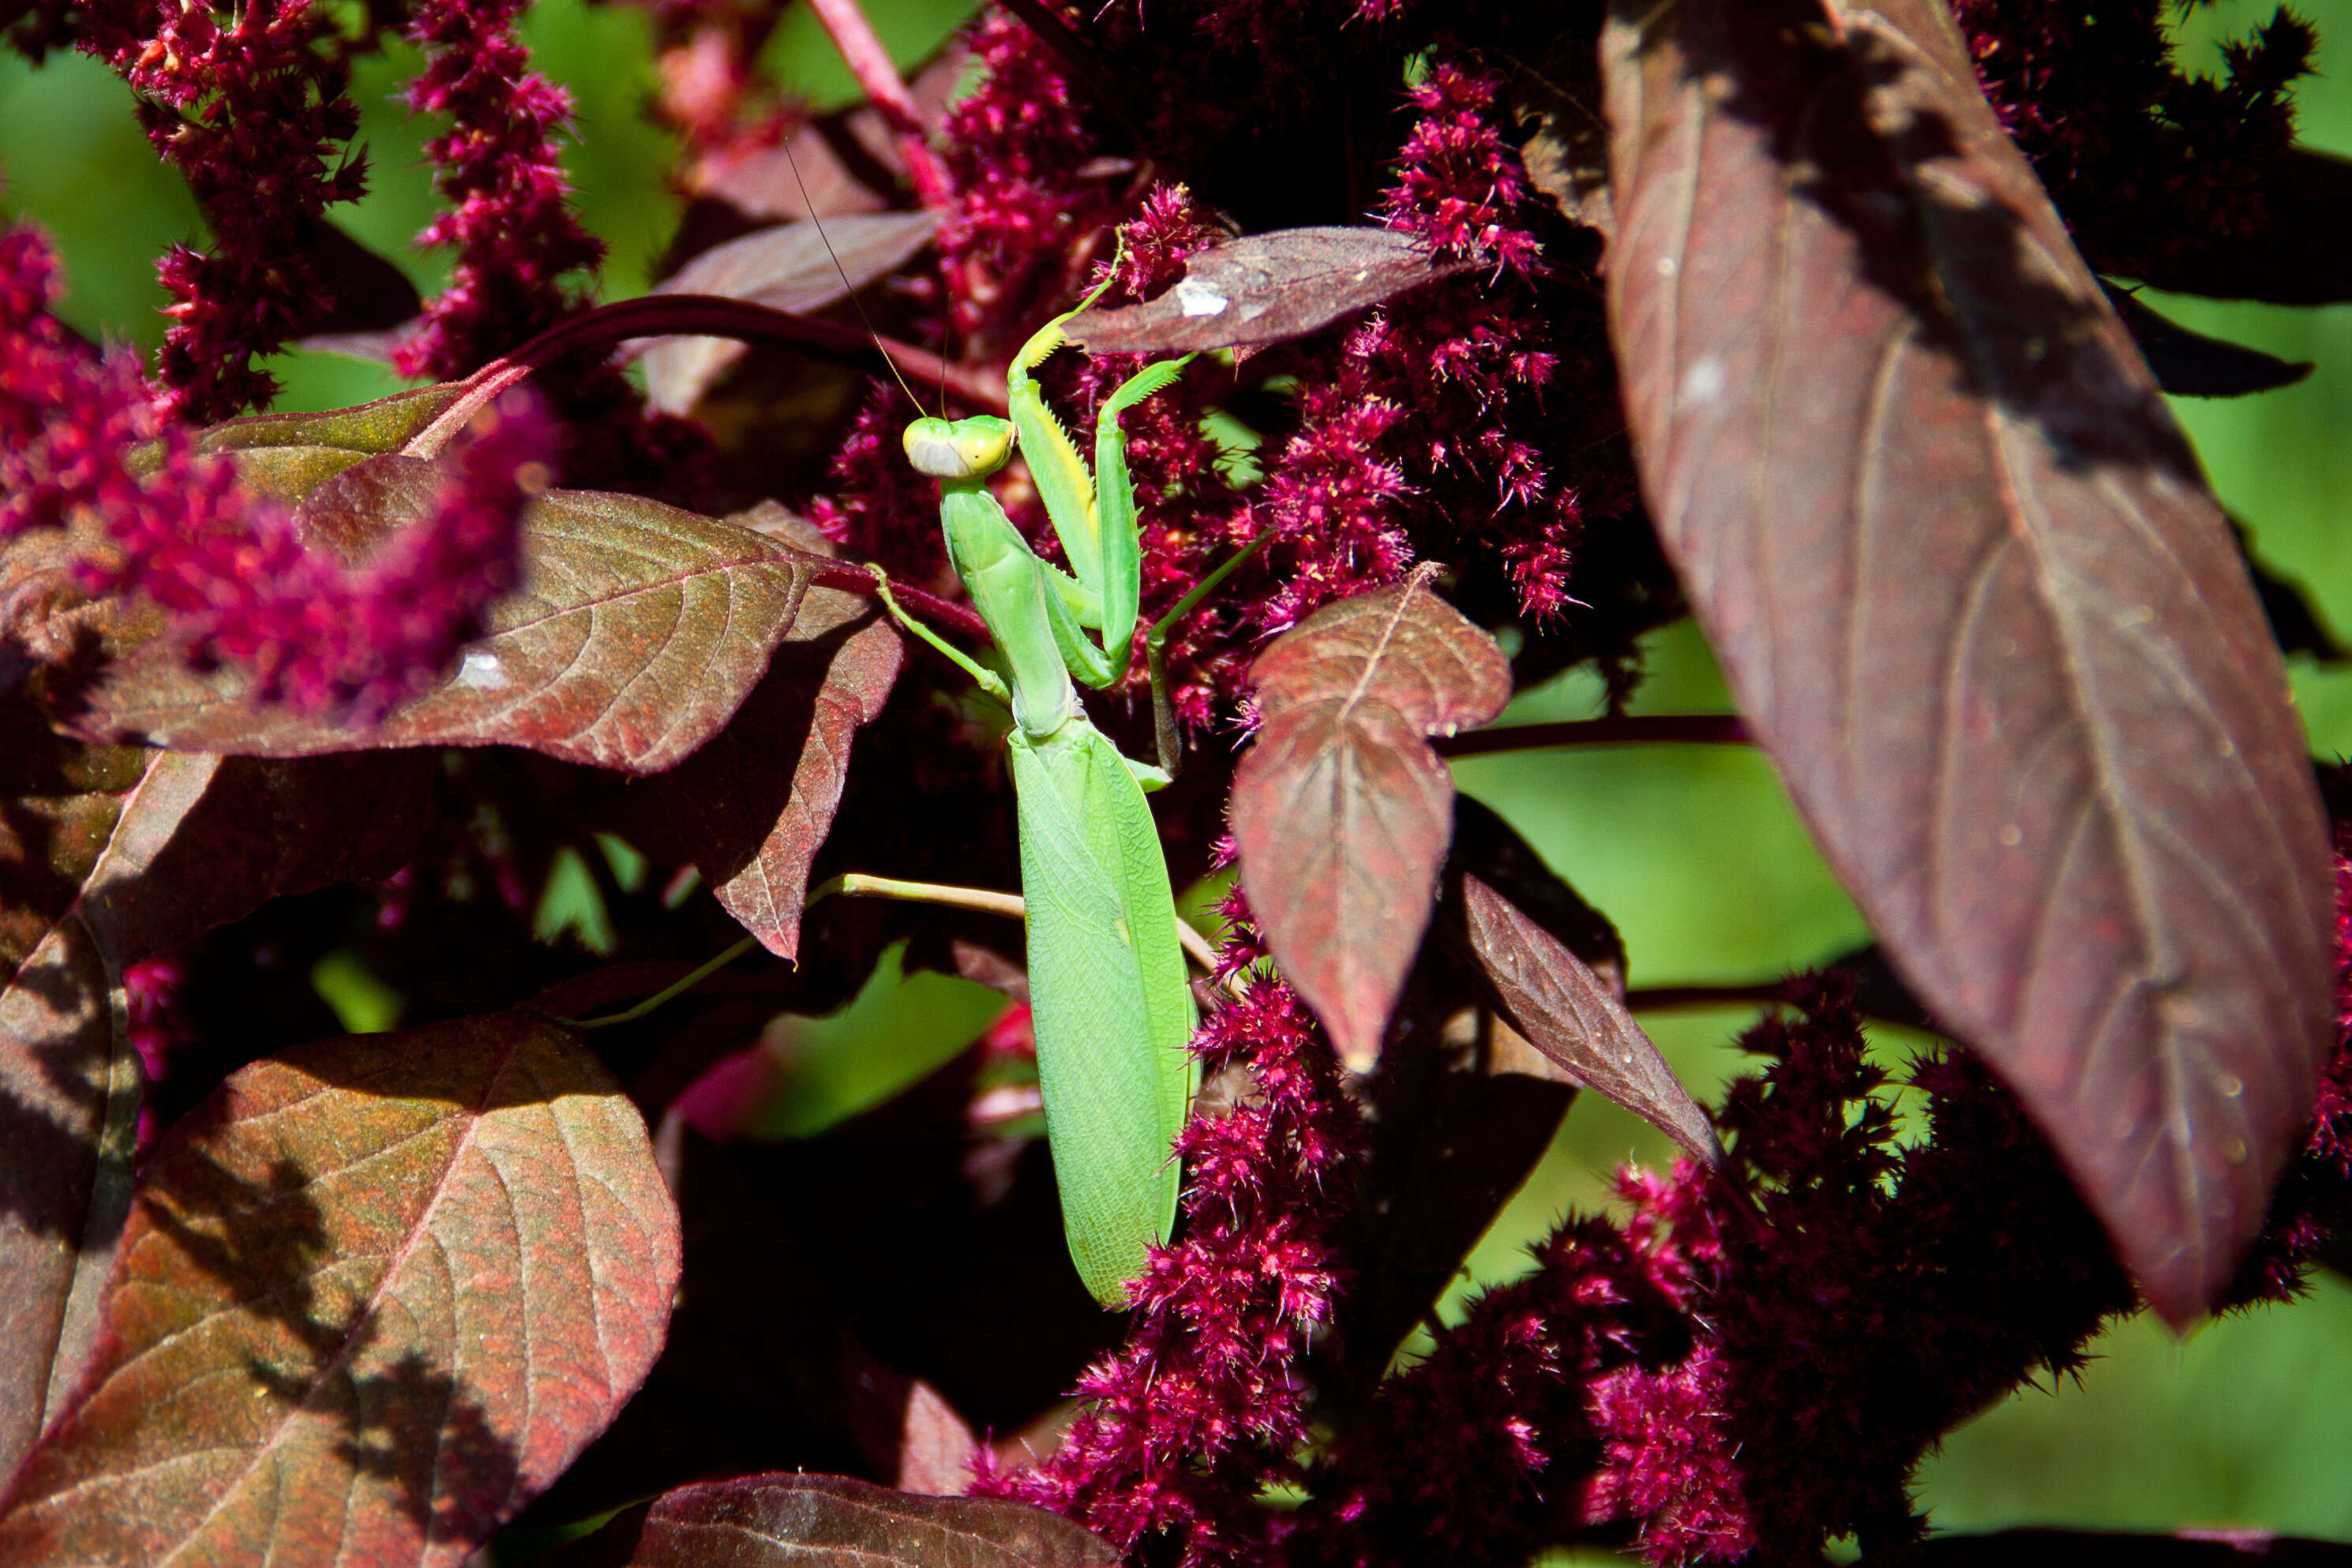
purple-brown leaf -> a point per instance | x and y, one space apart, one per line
1341 810
1576 1019
374 1295
1266 288
752 807
637 631
1968 587
793 266
832 1521
108 856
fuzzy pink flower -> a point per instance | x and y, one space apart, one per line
1208 1401
250 106
229 569
516 238
65 416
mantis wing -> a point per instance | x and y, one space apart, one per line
1107 993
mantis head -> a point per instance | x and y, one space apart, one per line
970 448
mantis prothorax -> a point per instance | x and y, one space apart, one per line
1108 988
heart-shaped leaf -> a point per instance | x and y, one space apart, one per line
1341 810
375 1294
794 266
813 1522
1968 587
1578 1019
637 631
1266 288
107 855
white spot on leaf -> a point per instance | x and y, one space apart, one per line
1199 300
482 671
1702 382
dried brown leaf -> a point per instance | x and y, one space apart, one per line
1968 587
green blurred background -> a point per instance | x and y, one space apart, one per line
1693 851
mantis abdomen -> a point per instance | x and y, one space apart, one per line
1108 994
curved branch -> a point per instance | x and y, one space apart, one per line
1660 730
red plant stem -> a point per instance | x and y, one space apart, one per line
870 63
1662 730
929 606
701 315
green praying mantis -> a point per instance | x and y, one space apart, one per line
1109 991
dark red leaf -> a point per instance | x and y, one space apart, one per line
1266 288
1578 1019
1967 584
2191 364
373 1296
1341 811
368 292
752 807
793 266
637 631
832 1521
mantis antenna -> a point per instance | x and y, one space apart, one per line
855 303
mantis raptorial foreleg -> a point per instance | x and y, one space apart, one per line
1109 993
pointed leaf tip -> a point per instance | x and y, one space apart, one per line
1970 589
1341 811
1574 1017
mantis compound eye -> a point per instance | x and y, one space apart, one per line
963 449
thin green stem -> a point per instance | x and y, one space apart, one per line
663 995
986 900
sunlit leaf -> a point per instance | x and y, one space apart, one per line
290 455
1966 582
375 1294
832 1521
636 632
1341 810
